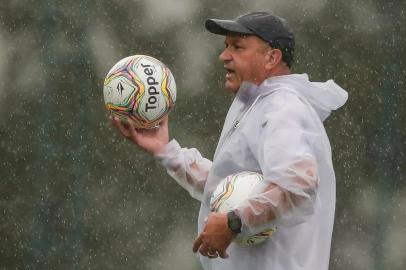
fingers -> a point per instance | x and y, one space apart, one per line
209 252
128 129
197 243
119 125
223 254
206 250
132 130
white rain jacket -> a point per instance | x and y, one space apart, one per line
275 129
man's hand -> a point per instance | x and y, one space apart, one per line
152 140
215 238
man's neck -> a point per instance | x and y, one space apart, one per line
280 70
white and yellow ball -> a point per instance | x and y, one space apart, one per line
140 88
232 191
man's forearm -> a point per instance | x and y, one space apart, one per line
187 167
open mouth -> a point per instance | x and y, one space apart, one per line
230 72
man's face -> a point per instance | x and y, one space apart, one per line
244 58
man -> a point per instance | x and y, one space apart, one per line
275 127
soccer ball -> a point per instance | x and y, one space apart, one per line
140 88
233 190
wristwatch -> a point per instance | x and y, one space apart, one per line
234 222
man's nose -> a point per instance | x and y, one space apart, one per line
225 56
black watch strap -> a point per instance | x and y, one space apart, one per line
234 222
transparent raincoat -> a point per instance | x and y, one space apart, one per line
275 129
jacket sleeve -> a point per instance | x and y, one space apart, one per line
285 148
187 167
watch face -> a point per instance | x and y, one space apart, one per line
234 222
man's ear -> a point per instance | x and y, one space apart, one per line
274 58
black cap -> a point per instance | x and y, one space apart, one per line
268 27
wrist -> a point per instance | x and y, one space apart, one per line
168 153
159 148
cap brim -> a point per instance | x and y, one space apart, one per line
223 27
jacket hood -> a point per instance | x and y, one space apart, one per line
322 96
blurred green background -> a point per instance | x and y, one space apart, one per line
76 195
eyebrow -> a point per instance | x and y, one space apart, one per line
234 39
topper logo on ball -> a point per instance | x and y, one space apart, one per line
152 91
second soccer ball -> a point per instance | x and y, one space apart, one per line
231 192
